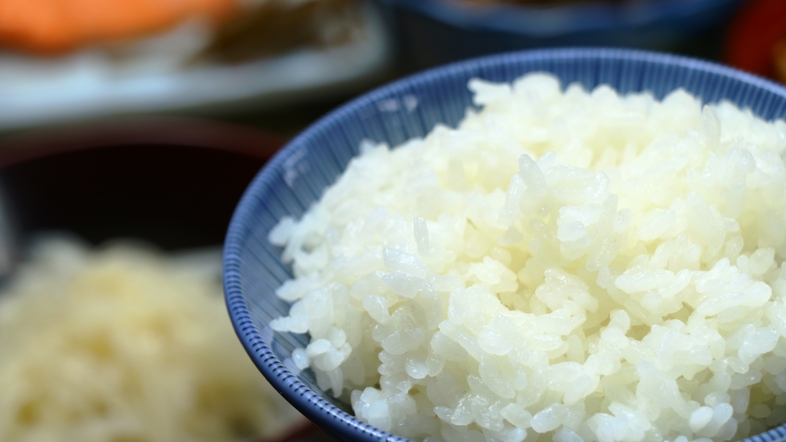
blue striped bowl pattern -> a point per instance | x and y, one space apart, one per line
408 108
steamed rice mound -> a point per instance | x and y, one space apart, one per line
562 266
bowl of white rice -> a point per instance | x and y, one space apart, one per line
566 245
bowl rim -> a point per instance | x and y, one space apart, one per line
565 19
306 400
183 132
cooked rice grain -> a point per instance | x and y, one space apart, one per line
565 265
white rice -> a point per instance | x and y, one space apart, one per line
124 343
562 266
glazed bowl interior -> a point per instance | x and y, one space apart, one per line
408 108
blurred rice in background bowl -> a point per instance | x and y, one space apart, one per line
114 327
433 32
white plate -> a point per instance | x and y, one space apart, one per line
36 92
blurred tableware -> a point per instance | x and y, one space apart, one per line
433 32
94 83
8 238
171 181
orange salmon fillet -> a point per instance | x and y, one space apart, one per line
53 26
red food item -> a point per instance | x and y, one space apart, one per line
52 26
780 60
754 35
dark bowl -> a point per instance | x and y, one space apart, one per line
433 32
173 182
297 176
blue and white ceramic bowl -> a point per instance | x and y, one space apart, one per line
408 108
